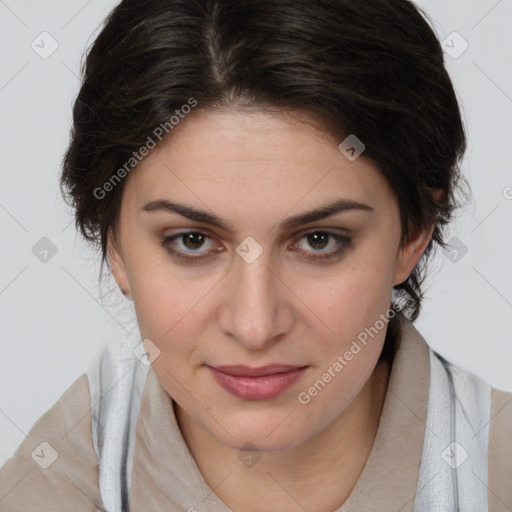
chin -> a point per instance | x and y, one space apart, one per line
271 435
260 441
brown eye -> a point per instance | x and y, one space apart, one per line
193 240
320 240
187 245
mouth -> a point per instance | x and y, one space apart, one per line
261 383
248 371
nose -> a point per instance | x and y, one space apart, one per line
257 310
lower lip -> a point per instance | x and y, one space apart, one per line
257 388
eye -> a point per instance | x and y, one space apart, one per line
193 241
190 241
319 240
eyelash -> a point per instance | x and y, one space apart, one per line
344 243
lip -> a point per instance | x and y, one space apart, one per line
248 371
261 383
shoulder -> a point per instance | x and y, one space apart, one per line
487 410
55 467
473 391
469 384
500 450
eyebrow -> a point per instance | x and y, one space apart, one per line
322 212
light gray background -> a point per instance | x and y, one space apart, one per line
56 319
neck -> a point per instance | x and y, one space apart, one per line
317 475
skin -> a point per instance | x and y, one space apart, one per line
254 169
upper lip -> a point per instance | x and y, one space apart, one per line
249 371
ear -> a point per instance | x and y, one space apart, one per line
410 254
118 266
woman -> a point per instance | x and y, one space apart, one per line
266 181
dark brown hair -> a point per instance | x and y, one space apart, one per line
373 68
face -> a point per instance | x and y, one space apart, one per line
248 282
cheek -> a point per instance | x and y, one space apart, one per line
354 309
164 316
353 297
371 278
162 296
353 304
165 312
160 299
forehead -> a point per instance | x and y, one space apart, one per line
253 157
